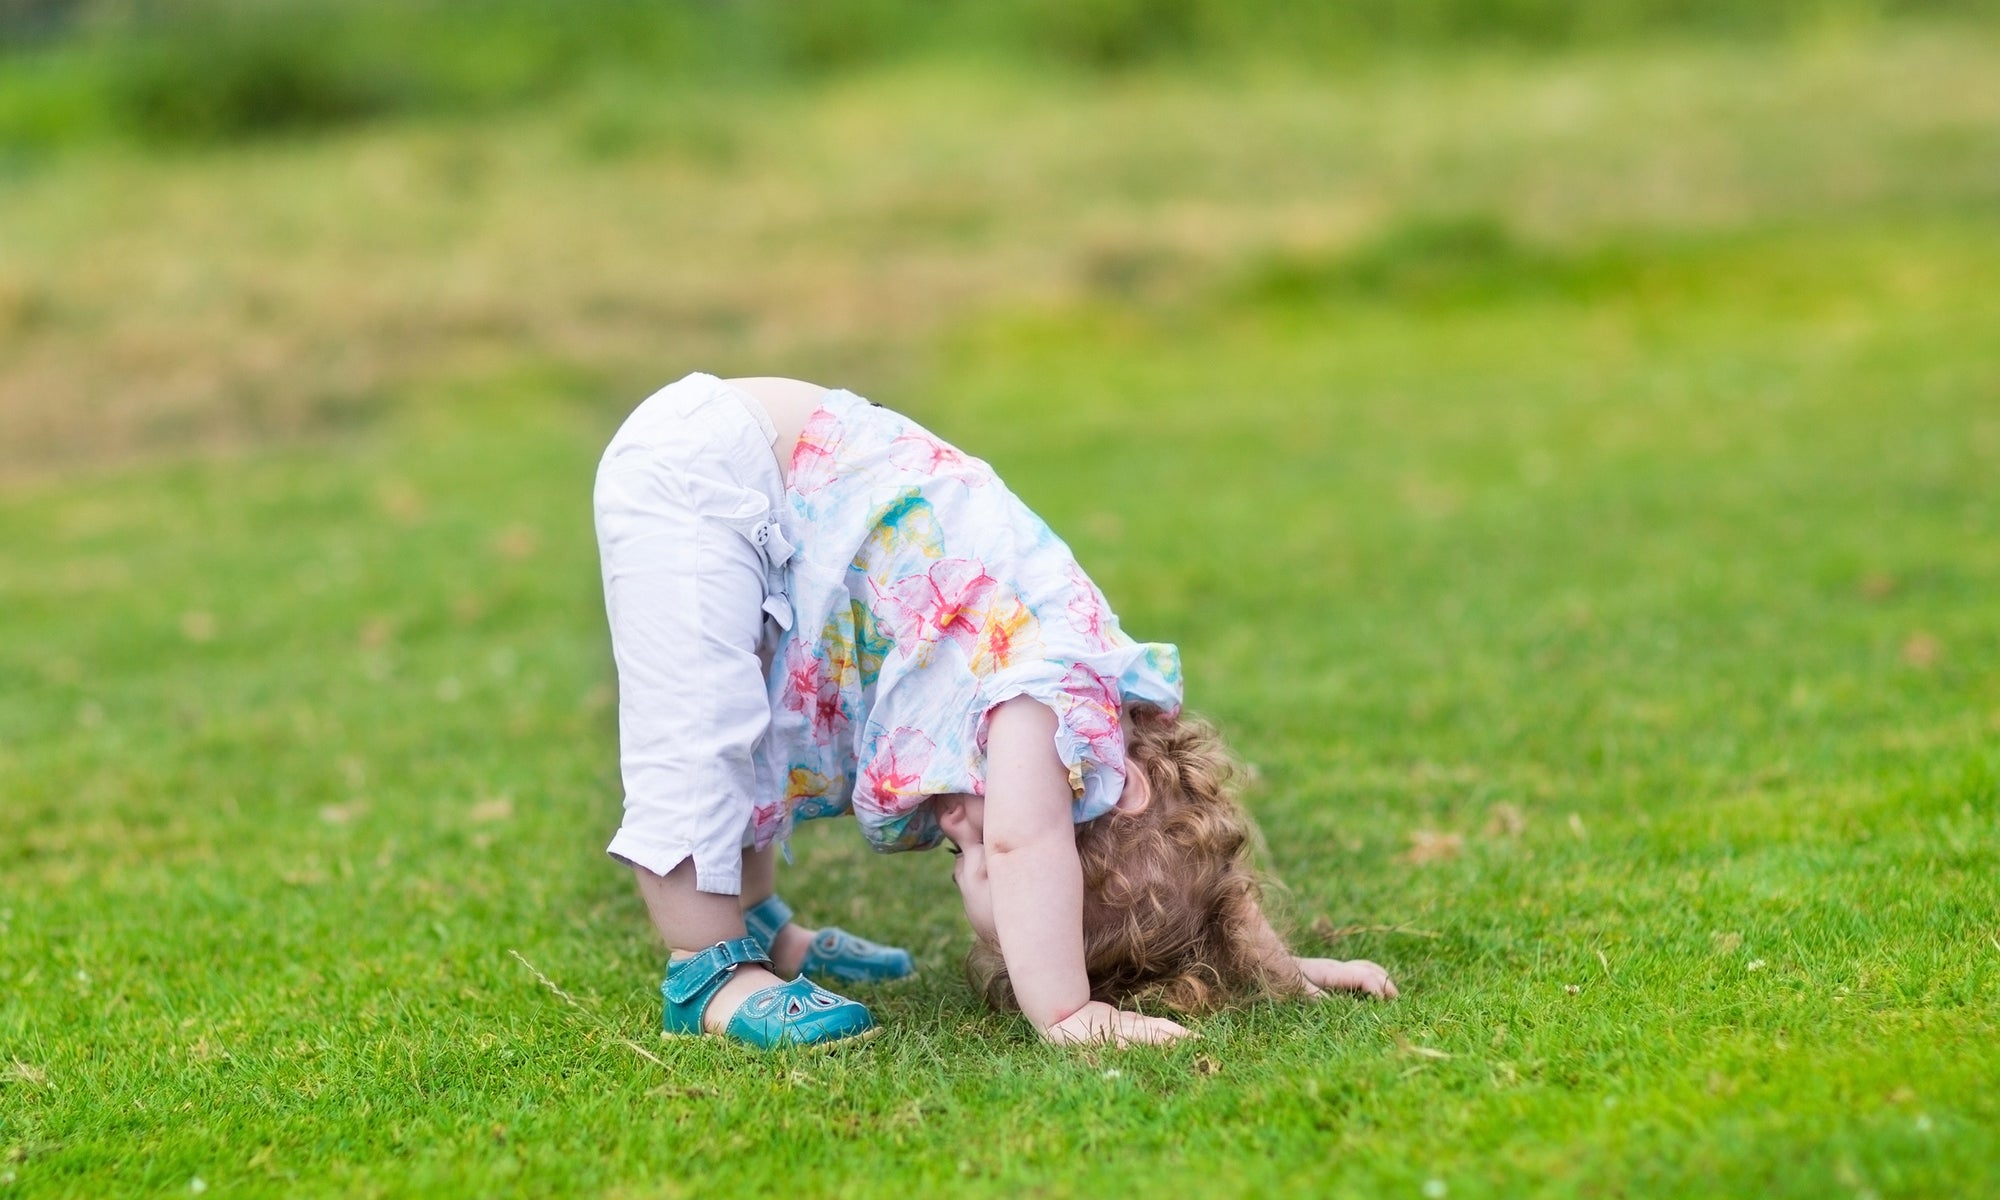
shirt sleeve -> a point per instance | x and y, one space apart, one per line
1086 698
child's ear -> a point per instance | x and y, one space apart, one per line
1138 791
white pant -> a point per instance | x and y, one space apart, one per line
688 505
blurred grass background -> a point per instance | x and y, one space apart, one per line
165 72
187 205
1561 437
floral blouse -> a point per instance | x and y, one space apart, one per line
922 594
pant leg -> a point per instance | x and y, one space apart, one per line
684 592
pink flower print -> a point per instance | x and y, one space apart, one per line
768 821
810 688
815 459
826 716
920 452
803 671
961 588
892 778
1094 714
1088 617
1087 610
947 601
1085 684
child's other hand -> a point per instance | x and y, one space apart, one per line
1100 1022
1360 975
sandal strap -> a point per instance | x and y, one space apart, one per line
766 919
690 977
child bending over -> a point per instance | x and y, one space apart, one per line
817 607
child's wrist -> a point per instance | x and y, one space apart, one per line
1061 1013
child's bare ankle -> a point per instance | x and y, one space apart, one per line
746 981
788 949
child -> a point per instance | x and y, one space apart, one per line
817 607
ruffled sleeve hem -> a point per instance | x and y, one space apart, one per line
1086 698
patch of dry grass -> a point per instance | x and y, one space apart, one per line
159 305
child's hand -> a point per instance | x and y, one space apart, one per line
1099 1022
1360 975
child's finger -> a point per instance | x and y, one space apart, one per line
1159 1030
1385 987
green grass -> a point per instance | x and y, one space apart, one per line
176 74
1609 615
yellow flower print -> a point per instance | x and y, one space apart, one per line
804 783
1008 634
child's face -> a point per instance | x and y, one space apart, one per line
963 820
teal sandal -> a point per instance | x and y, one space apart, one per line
835 953
798 1013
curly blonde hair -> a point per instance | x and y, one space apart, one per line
1170 895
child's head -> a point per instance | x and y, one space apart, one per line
1170 896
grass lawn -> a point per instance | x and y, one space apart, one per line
1598 567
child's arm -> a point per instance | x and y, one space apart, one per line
1037 885
1318 975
